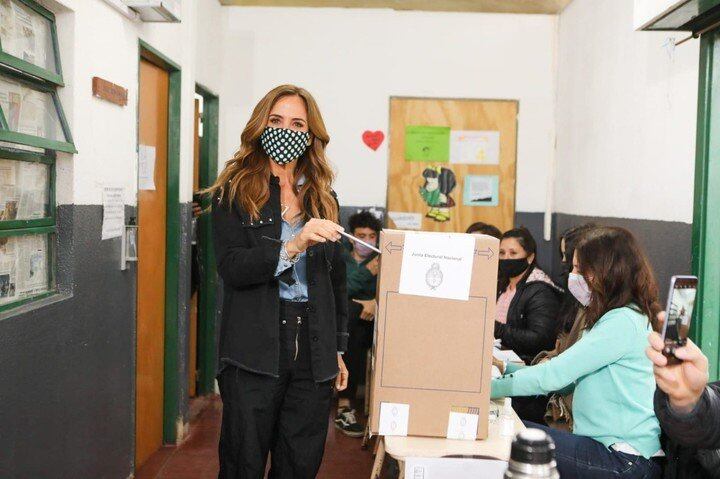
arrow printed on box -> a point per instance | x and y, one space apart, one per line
392 247
487 253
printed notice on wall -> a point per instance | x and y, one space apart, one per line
438 265
113 212
406 221
146 167
475 147
481 190
427 143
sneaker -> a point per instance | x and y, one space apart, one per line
347 423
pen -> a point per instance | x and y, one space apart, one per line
361 242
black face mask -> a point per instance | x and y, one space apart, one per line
510 268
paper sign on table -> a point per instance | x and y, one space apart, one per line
146 167
113 212
394 419
506 355
406 221
451 468
438 265
462 426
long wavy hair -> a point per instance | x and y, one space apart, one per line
245 178
618 273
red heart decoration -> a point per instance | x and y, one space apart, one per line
373 139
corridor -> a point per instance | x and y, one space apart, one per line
196 457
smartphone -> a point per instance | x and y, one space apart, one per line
679 311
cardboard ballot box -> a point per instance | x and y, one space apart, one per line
434 334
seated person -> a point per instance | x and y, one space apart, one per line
688 409
362 265
528 300
527 309
484 229
571 323
615 432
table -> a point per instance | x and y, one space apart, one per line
400 447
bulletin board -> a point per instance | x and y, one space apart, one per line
452 163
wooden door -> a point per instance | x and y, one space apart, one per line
192 337
152 216
407 175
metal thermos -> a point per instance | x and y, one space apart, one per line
532 456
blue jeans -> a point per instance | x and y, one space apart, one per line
586 458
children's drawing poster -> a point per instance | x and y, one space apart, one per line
427 143
480 190
475 147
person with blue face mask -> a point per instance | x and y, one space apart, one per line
284 321
615 431
570 324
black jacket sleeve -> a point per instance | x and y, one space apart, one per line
238 264
339 284
537 330
700 428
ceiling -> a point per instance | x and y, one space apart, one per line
494 6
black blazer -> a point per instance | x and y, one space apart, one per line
247 253
531 325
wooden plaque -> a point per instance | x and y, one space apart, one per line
109 91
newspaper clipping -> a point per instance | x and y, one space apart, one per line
26 34
23 267
29 111
23 190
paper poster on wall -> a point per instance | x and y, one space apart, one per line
113 212
481 190
437 265
475 147
427 143
439 182
406 221
146 167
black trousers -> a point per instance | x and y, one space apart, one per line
360 340
286 416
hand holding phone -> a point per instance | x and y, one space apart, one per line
683 383
680 306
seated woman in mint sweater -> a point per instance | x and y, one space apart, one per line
616 433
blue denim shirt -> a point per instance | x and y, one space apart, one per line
299 291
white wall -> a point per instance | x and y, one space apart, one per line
96 40
646 10
352 61
626 115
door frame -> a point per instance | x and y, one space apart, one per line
171 385
706 212
207 304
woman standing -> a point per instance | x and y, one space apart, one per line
284 321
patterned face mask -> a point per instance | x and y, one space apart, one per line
284 145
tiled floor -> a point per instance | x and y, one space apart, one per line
196 457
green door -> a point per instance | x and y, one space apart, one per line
706 220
